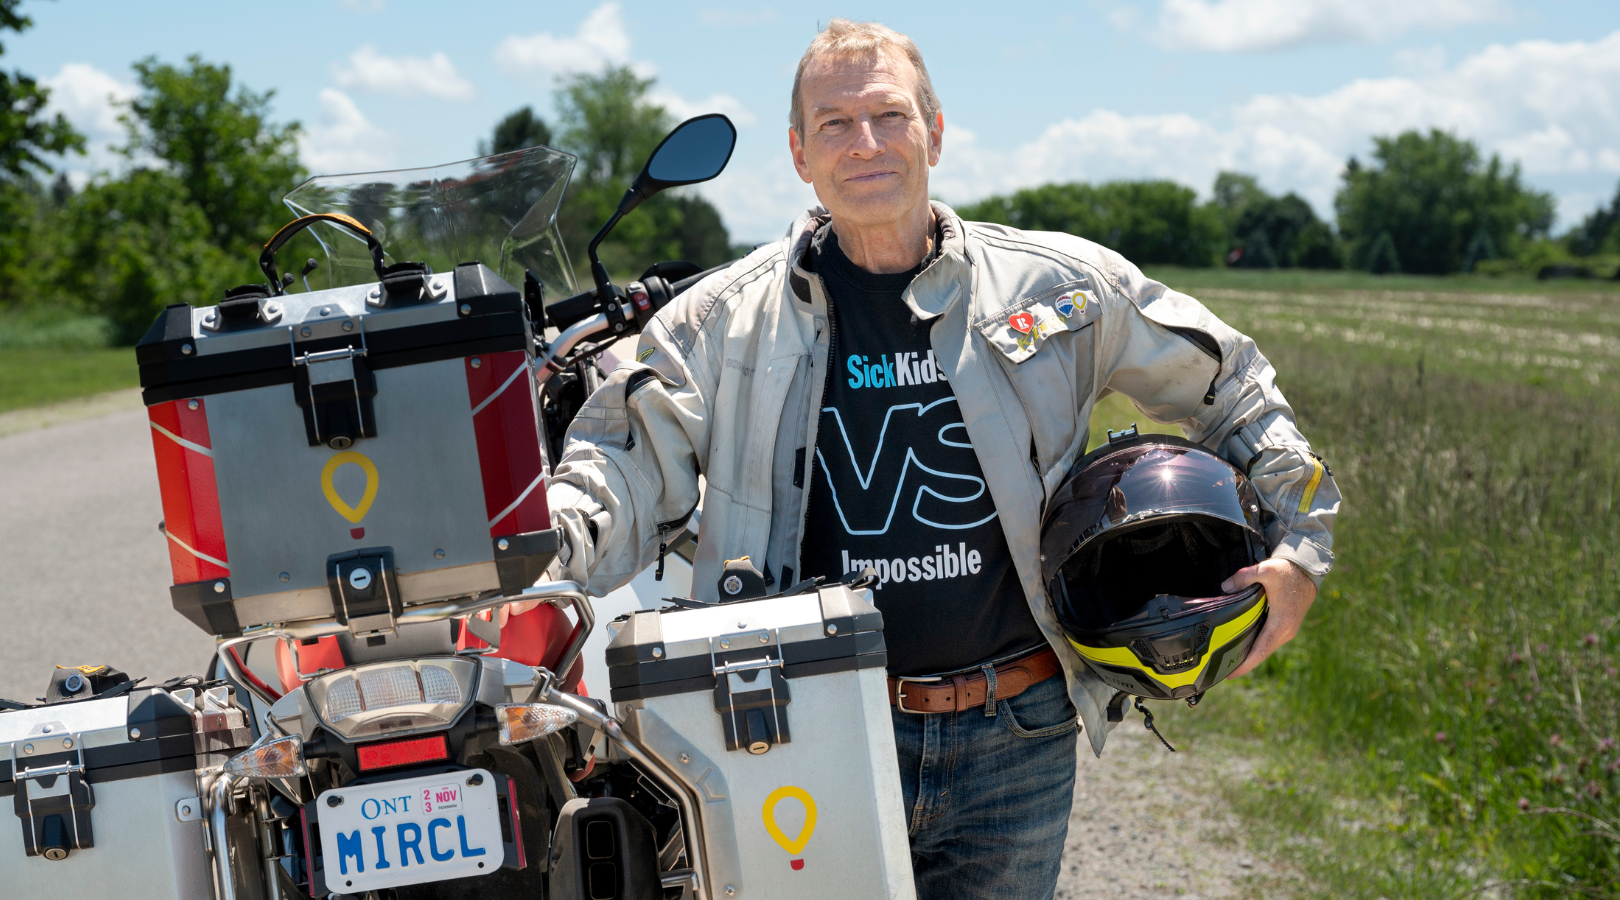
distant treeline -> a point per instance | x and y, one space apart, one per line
199 187
1425 204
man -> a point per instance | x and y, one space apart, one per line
892 386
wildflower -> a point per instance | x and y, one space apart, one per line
1557 740
1593 788
1611 671
1516 658
1439 737
1524 803
1541 648
1614 765
1490 701
1591 639
1605 744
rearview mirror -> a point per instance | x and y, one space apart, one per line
697 150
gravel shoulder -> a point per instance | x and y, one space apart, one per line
1148 823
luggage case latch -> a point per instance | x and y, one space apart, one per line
53 801
751 697
334 389
365 593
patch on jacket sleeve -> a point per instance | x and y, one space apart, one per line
1020 329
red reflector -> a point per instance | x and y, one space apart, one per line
404 753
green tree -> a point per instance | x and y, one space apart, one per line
227 157
1598 232
1272 232
1149 222
27 138
1432 194
135 245
519 130
25 131
202 194
608 122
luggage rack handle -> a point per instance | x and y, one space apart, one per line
551 591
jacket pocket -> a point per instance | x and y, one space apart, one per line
1024 327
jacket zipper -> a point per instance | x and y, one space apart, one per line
664 528
810 463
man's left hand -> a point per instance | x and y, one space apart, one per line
1289 593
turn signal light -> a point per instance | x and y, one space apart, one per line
408 752
269 757
523 722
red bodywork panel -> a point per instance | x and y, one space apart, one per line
534 638
501 390
191 517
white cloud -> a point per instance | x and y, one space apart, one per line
363 7
680 109
1260 25
92 101
342 139
600 40
403 76
1550 106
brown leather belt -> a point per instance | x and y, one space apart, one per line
960 693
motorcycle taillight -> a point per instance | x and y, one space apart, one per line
408 752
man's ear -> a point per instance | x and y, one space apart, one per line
936 138
796 148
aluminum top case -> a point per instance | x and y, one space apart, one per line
107 795
347 452
775 715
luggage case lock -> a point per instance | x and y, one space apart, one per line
365 593
52 800
751 697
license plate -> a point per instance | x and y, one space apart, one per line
411 831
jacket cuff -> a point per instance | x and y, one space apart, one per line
1315 559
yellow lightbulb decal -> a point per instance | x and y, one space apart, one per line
795 845
358 511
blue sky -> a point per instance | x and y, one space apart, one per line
1032 91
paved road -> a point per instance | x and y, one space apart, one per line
85 574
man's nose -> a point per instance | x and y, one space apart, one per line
865 145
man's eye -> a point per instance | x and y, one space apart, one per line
893 114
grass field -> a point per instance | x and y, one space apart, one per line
32 377
1446 723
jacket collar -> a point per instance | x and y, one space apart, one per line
934 290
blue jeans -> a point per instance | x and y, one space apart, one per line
989 793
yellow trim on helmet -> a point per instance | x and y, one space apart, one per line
1123 657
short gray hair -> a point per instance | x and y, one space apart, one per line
843 37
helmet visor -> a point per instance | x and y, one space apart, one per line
1140 483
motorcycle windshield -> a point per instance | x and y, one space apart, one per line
499 210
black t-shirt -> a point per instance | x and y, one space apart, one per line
896 485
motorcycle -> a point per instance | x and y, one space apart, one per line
483 729
398 750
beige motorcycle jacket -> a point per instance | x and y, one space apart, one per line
727 383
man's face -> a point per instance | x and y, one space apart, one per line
866 146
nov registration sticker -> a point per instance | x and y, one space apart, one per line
412 831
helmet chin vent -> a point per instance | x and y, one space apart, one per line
1177 652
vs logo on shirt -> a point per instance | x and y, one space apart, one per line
893 370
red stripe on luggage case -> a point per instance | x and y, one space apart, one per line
191 516
501 391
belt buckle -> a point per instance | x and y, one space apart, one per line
900 697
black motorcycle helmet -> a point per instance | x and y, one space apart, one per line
1134 547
